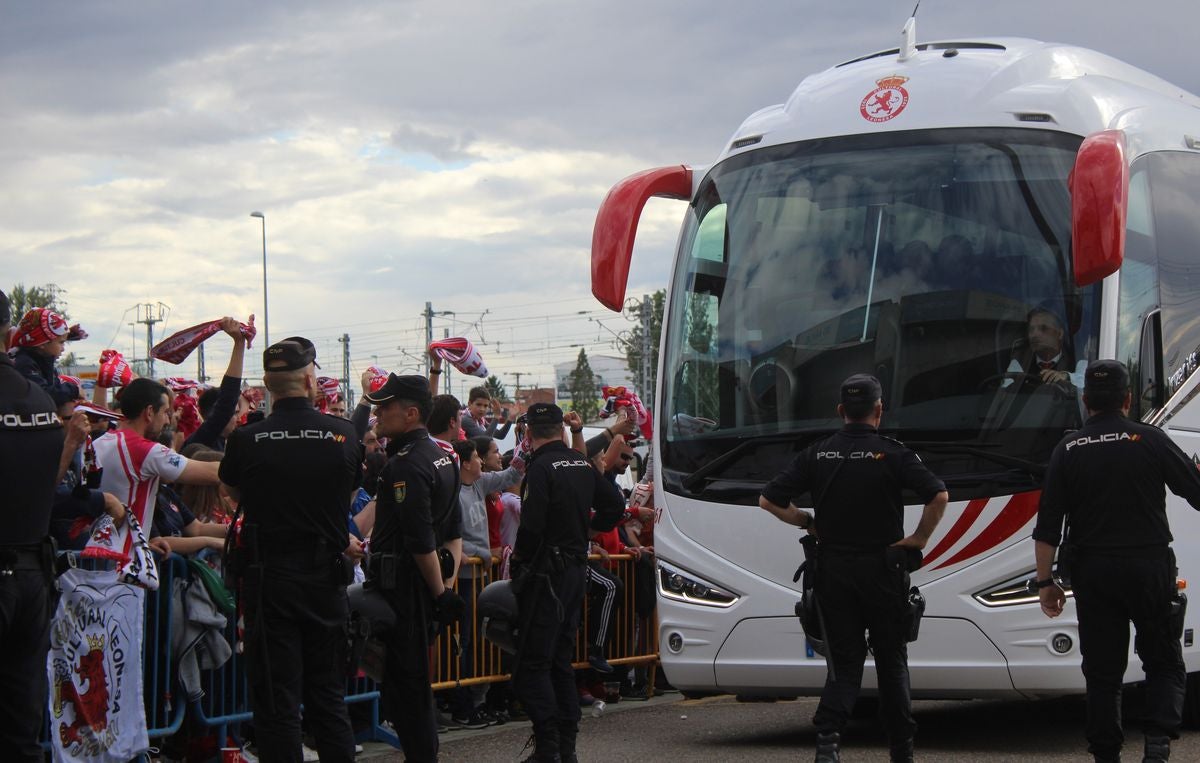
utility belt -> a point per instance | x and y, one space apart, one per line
389 572
898 561
38 557
1069 554
309 556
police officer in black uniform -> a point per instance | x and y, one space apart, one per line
856 478
560 490
1106 481
31 445
293 474
416 548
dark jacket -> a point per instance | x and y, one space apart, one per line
296 470
560 490
416 505
1109 478
856 478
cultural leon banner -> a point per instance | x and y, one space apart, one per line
95 669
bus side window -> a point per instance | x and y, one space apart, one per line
1138 294
1175 196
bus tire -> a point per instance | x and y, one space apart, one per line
1191 702
692 694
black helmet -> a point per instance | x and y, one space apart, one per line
367 603
497 606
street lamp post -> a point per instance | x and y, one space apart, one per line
266 314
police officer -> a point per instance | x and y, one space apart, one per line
293 473
416 548
855 478
1106 480
31 446
549 561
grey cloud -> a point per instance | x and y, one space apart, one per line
445 148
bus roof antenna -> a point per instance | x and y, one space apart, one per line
908 35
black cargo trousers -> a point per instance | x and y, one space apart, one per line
25 598
545 680
296 636
858 594
1112 590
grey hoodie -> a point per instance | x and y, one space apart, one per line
472 499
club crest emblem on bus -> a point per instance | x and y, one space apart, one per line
886 101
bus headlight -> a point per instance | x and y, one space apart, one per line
685 586
1013 592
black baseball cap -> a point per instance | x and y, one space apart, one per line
290 354
1105 376
5 309
861 388
408 387
540 414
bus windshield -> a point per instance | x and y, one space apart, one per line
938 261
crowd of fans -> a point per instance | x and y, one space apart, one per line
188 512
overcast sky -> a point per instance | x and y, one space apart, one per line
452 151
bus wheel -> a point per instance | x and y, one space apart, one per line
1191 702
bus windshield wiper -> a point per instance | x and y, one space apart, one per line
1032 467
693 480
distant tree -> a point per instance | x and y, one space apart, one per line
23 299
585 397
497 389
632 346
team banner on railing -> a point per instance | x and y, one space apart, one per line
95 669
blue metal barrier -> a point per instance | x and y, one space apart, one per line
225 701
226 698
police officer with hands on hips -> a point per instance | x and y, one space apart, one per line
1107 482
560 490
416 548
293 474
856 477
31 446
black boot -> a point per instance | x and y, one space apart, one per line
827 747
1158 749
902 752
567 732
545 746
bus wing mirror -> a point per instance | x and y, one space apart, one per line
616 227
1099 185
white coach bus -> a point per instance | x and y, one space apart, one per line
935 215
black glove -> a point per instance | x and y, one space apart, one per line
448 608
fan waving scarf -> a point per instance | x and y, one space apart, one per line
176 348
461 354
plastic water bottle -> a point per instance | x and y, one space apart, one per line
598 708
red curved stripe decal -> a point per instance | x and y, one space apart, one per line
959 529
1020 509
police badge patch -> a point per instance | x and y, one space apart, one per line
398 491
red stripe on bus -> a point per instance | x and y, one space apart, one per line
959 529
1020 509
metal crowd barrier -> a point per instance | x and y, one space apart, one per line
226 702
634 640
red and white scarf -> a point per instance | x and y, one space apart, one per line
460 353
114 371
176 348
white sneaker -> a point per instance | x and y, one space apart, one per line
310 754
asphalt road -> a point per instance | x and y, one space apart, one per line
670 729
